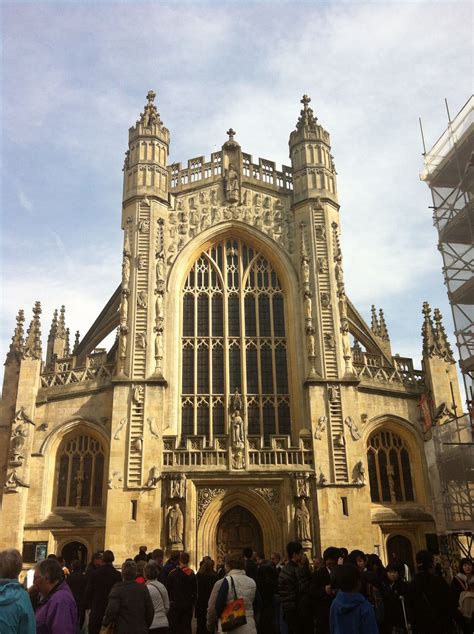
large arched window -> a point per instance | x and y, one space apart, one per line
80 472
389 468
233 338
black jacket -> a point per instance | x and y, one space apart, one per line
130 607
98 589
431 604
77 582
288 587
205 583
182 587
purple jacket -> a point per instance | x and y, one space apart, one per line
57 613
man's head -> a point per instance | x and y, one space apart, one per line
393 572
247 553
234 561
108 557
424 560
184 559
318 563
358 558
48 573
152 570
97 559
275 558
10 563
76 565
260 557
143 549
294 551
158 555
129 570
347 578
330 556
174 557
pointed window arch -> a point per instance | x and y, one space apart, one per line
80 465
233 337
389 465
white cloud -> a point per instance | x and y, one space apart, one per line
25 202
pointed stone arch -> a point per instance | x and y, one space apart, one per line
270 524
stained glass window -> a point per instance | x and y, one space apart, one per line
389 468
80 472
233 337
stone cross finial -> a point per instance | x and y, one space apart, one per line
231 134
151 96
305 101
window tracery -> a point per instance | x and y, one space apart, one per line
390 476
233 337
80 472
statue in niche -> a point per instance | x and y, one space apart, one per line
301 486
257 200
17 444
236 401
232 184
159 344
305 270
245 197
267 217
159 305
321 427
358 474
137 445
329 340
325 300
214 200
192 203
320 232
238 460
160 265
322 264
138 393
175 525
258 220
308 312
267 202
311 345
152 426
141 339
124 307
204 218
203 198
216 215
303 523
332 393
193 222
237 424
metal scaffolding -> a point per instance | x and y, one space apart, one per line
449 173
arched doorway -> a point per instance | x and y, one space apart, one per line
74 550
237 529
400 549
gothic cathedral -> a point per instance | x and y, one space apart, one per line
245 401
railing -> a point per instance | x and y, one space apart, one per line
264 171
77 375
197 454
374 368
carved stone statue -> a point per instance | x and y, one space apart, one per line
308 312
115 480
237 429
311 345
144 225
137 445
303 522
353 428
125 271
142 299
141 339
160 265
320 427
152 426
358 474
301 486
138 393
175 525
236 401
232 184
124 308
17 443
153 478
140 262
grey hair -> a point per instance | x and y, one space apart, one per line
51 570
129 570
152 570
10 563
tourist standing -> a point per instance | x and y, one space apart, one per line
267 586
205 579
98 589
168 567
129 607
250 564
16 613
76 580
56 612
461 580
322 591
288 586
182 590
350 612
159 597
141 556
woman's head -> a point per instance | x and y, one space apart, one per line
141 565
152 570
234 561
129 570
465 566
10 563
207 566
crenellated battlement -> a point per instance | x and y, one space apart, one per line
198 170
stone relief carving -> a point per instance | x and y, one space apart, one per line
352 428
341 293
358 473
137 445
303 523
322 480
270 495
205 497
140 261
232 184
339 440
329 340
175 526
177 488
142 299
333 393
153 478
19 434
301 485
14 482
320 427
307 301
138 394
143 225
119 429
152 427
141 339
115 480
325 300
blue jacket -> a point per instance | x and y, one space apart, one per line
351 613
16 613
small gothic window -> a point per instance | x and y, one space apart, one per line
233 337
80 472
390 476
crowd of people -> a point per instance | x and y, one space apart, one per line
338 593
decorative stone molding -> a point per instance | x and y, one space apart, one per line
270 495
205 497
301 485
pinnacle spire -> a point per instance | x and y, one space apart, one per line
383 330
374 322
306 120
67 347
441 338
430 347
62 323
53 331
32 347
150 114
18 342
77 339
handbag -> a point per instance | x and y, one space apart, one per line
233 615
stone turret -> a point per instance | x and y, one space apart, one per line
379 328
56 346
33 347
314 172
18 340
440 368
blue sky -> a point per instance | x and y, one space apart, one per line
75 76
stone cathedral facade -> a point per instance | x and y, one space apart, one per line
245 400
